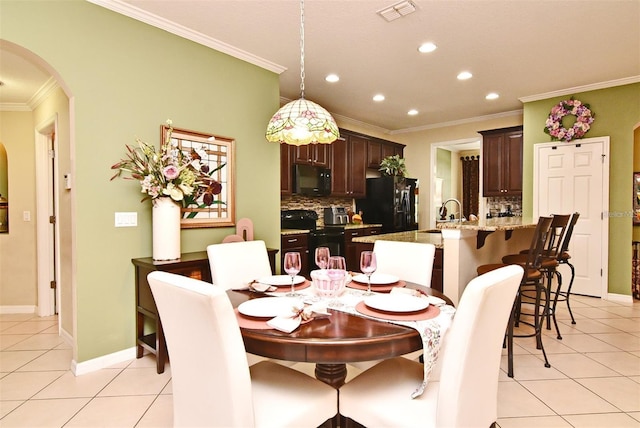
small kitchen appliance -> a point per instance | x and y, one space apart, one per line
335 215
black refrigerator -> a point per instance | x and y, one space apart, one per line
390 201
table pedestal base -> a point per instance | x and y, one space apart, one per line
332 374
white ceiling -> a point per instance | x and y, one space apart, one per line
517 48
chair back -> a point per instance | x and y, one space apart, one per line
556 235
209 371
540 235
567 235
244 228
235 264
468 394
410 261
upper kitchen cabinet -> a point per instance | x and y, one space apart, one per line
312 154
502 162
380 149
349 165
286 169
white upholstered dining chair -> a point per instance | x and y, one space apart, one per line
236 264
463 389
212 383
410 261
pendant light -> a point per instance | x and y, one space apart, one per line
302 121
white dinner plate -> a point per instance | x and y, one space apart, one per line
377 278
269 307
281 280
396 302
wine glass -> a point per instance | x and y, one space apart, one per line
292 268
337 271
322 257
368 266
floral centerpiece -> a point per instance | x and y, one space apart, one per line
393 166
571 107
170 172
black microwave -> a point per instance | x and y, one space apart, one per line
312 180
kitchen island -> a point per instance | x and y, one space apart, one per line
463 246
469 244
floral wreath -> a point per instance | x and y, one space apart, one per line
584 119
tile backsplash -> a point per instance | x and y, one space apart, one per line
318 204
498 204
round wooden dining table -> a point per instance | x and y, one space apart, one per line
332 342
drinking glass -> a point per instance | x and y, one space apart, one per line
337 262
368 266
322 257
292 268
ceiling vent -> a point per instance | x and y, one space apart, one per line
397 10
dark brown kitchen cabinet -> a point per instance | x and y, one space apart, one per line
502 162
392 149
286 169
380 149
296 242
312 154
349 166
352 255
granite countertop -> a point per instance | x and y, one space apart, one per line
284 232
360 226
491 224
421 236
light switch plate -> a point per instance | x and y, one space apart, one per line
126 219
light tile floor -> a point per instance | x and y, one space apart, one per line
594 379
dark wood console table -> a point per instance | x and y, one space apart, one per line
194 265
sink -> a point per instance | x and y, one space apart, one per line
430 231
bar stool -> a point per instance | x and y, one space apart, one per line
532 277
549 261
563 258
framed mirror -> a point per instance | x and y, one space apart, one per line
217 155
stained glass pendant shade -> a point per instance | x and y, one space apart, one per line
302 121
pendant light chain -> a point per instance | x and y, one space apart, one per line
301 48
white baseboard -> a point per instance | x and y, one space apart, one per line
17 309
620 298
79 369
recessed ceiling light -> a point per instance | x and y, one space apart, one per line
465 75
492 96
427 47
412 112
332 78
378 97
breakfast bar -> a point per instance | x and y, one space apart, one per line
464 246
469 244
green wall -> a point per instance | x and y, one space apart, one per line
617 113
443 171
124 79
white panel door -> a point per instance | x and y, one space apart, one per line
570 177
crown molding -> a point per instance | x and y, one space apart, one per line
41 94
14 107
584 88
458 122
179 30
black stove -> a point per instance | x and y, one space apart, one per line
331 236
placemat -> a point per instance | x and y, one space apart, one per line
287 288
252 323
380 288
432 311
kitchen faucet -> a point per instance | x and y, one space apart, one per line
443 209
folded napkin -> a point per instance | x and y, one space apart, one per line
433 300
289 322
256 286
